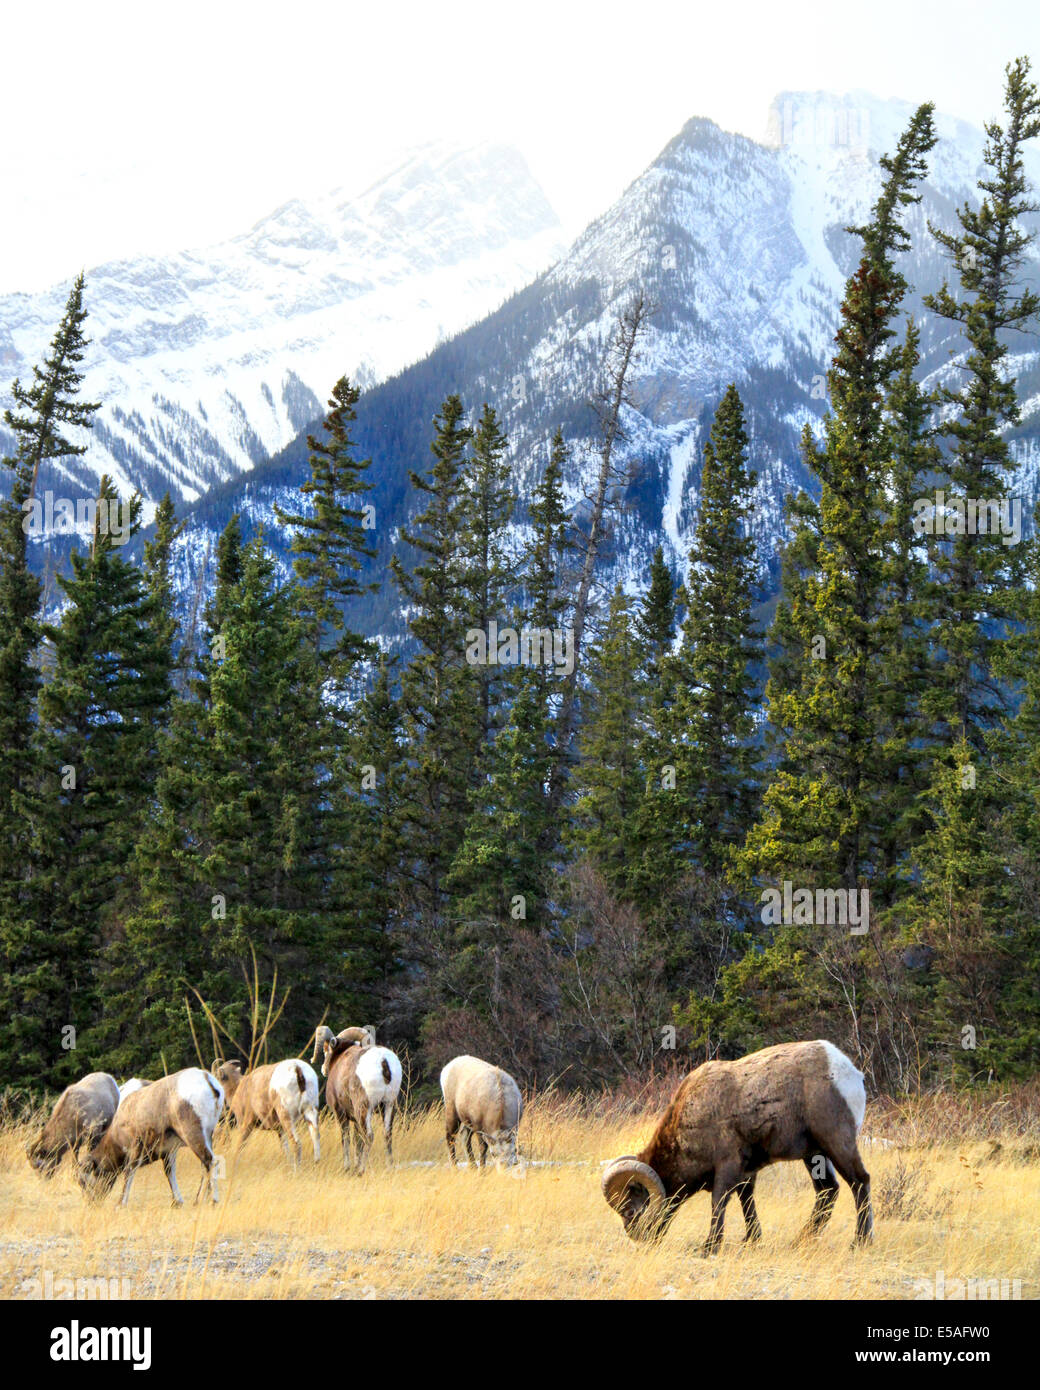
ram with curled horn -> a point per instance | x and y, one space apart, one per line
727 1120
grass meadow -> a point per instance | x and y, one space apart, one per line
956 1194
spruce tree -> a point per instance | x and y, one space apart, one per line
699 749
99 715
158 558
488 512
824 822
501 874
366 866
904 738
822 810
330 544
545 584
655 620
440 690
165 947
608 777
43 412
977 571
266 858
712 720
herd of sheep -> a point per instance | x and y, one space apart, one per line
727 1120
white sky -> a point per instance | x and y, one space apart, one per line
134 127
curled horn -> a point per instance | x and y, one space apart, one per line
628 1172
355 1035
322 1035
214 1065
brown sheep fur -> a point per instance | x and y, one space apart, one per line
80 1117
258 1101
482 1100
153 1123
727 1120
347 1097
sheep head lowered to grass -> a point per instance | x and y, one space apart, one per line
727 1120
80 1117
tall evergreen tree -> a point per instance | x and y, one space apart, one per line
822 809
43 412
700 757
330 544
978 570
545 583
366 866
97 753
903 742
265 855
440 691
488 511
164 948
713 718
608 778
502 871
655 620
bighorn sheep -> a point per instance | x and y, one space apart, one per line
483 1100
80 1117
361 1078
727 1120
152 1123
276 1096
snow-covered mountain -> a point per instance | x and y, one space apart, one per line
209 361
742 247
740 244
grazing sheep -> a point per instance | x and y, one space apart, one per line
727 1120
80 1116
276 1096
361 1078
154 1122
483 1100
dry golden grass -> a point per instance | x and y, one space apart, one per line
424 1231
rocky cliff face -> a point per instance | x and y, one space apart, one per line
209 361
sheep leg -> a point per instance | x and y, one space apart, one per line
364 1141
127 1184
752 1225
468 1140
850 1166
728 1179
388 1132
206 1159
346 1138
286 1122
826 1186
169 1163
311 1117
451 1128
482 1149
